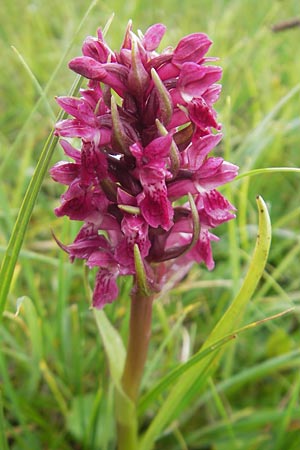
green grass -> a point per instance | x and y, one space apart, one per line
55 386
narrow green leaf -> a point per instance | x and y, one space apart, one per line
34 256
172 376
13 398
35 82
283 426
55 388
250 421
113 345
191 381
257 140
251 374
265 171
20 227
235 311
3 440
176 373
115 352
25 128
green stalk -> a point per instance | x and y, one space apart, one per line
139 336
137 349
127 435
136 356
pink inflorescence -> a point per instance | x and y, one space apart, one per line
147 125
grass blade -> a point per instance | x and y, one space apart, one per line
42 98
113 345
173 376
257 140
3 440
190 382
267 170
180 370
20 227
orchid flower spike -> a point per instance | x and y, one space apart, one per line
143 181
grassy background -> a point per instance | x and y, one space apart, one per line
56 389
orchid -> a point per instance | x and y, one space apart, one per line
144 181
146 124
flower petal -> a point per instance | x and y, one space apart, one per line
96 49
135 231
194 79
76 128
215 172
65 173
200 148
202 115
155 206
217 209
153 36
76 203
191 48
88 67
159 148
70 150
202 251
106 289
77 108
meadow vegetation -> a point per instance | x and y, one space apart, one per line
56 390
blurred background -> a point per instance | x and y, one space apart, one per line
55 385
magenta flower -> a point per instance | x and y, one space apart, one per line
146 125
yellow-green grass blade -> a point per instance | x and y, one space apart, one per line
194 378
20 227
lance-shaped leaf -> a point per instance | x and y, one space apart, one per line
195 378
115 352
174 374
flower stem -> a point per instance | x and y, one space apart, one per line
138 342
127 436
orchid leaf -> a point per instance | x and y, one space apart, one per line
172 376
113 345
115 352
196 376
